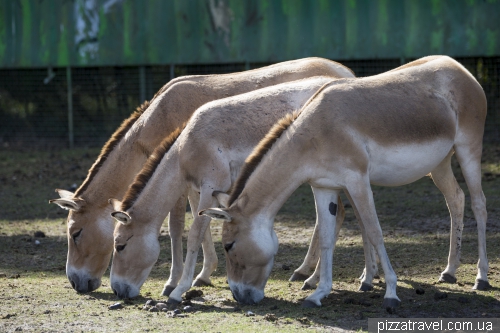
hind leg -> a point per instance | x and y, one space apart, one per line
445 181
469 157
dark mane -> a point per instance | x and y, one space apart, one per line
149 168
110 145
258 153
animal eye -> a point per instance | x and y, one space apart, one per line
228 246
119 248
76 234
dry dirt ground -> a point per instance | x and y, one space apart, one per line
35 295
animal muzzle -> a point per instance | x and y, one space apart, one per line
246 294
123 290
83 283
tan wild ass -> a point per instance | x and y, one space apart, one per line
89 225
389 129
206 155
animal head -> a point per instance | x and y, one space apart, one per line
136 249
90 242
250 246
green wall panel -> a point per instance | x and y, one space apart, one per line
36 33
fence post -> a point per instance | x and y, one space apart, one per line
172 72
142 83
70 107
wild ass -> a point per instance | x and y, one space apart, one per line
389 129
89 225
206 155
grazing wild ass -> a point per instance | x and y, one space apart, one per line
89 225
390 129
205 156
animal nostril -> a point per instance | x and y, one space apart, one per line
114 291
89 286
72 284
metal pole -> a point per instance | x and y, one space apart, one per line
172 72
70 107
142 82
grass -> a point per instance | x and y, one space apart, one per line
35 294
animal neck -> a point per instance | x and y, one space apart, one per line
278 175
160 193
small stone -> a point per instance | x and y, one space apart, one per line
250 314
39 234
177 311
285 267
439 295
154 309
188 308
146 307
46 312
420 291
270 317
151 302
161 306
37 242
186 302
164 310
115 306
193 294
18 329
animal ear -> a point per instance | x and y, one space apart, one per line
216 213
222 198
65 194
116 204
67 200
122 217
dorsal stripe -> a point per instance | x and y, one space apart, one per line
110 145
258 153
142 178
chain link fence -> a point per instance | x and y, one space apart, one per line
35 110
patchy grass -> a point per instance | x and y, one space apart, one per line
36 296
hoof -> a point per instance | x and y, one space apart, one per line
309 304
298 277
365 287
482 285
167 290
390 304
172 301
307 286
201 283
447 278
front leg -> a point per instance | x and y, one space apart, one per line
195 237
326 212
176 223
313 280
371 267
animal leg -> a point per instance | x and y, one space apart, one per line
176 222
371 267
313 280
195 238
445 181
469 157
362 197
326 212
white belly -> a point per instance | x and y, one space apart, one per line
402 164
